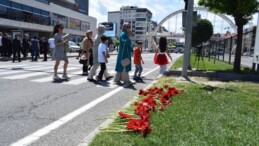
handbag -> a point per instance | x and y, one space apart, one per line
82 59
125 62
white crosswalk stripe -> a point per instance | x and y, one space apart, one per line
50 78
43 73
9 71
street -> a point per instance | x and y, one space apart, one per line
61 114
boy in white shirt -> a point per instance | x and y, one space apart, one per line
102 57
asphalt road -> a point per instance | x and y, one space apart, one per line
61 114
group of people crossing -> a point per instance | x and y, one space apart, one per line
95 54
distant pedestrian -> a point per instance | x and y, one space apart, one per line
102 57
5 45
161 55
17 47
138 61
59 52
51 42
9 46
96 64
87 45
34 48
123 64
25 46
1 44
45 48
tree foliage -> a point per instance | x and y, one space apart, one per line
241 10
202 32
117 42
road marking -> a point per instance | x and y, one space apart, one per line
15 71
56 124
27 75
12 65
50 78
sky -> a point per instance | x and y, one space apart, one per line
160 9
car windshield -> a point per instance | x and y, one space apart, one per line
72 44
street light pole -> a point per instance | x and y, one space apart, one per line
188 38
256 48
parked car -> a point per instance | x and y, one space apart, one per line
172 49
220 51
73 47
180 49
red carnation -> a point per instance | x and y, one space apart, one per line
124 115
161 108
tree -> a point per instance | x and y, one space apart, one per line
242 11
171 44
202 32
117 42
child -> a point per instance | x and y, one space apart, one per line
102 57
137 61
160 57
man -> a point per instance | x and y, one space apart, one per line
17 47
34 48
5 45
51 46
25 46
1 45
96 64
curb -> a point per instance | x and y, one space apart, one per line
217 75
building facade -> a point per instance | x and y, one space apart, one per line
37 17
139 18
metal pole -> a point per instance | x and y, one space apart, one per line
188 38
230 49
224 50
256 48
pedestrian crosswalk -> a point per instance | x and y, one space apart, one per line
43 73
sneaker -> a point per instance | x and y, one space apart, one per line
65 77
109 78
56 78
139 79
98 79
135 78
91 80
85 74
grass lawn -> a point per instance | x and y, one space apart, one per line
218 114
208 65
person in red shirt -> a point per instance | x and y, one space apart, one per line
138 61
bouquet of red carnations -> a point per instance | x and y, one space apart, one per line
151 99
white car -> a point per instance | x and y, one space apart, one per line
73 47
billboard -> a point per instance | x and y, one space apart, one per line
82 6
74 24
110 29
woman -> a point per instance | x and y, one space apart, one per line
87 45
161 55
123 65
96 64
59 52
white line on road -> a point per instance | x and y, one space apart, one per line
50 78
55 125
